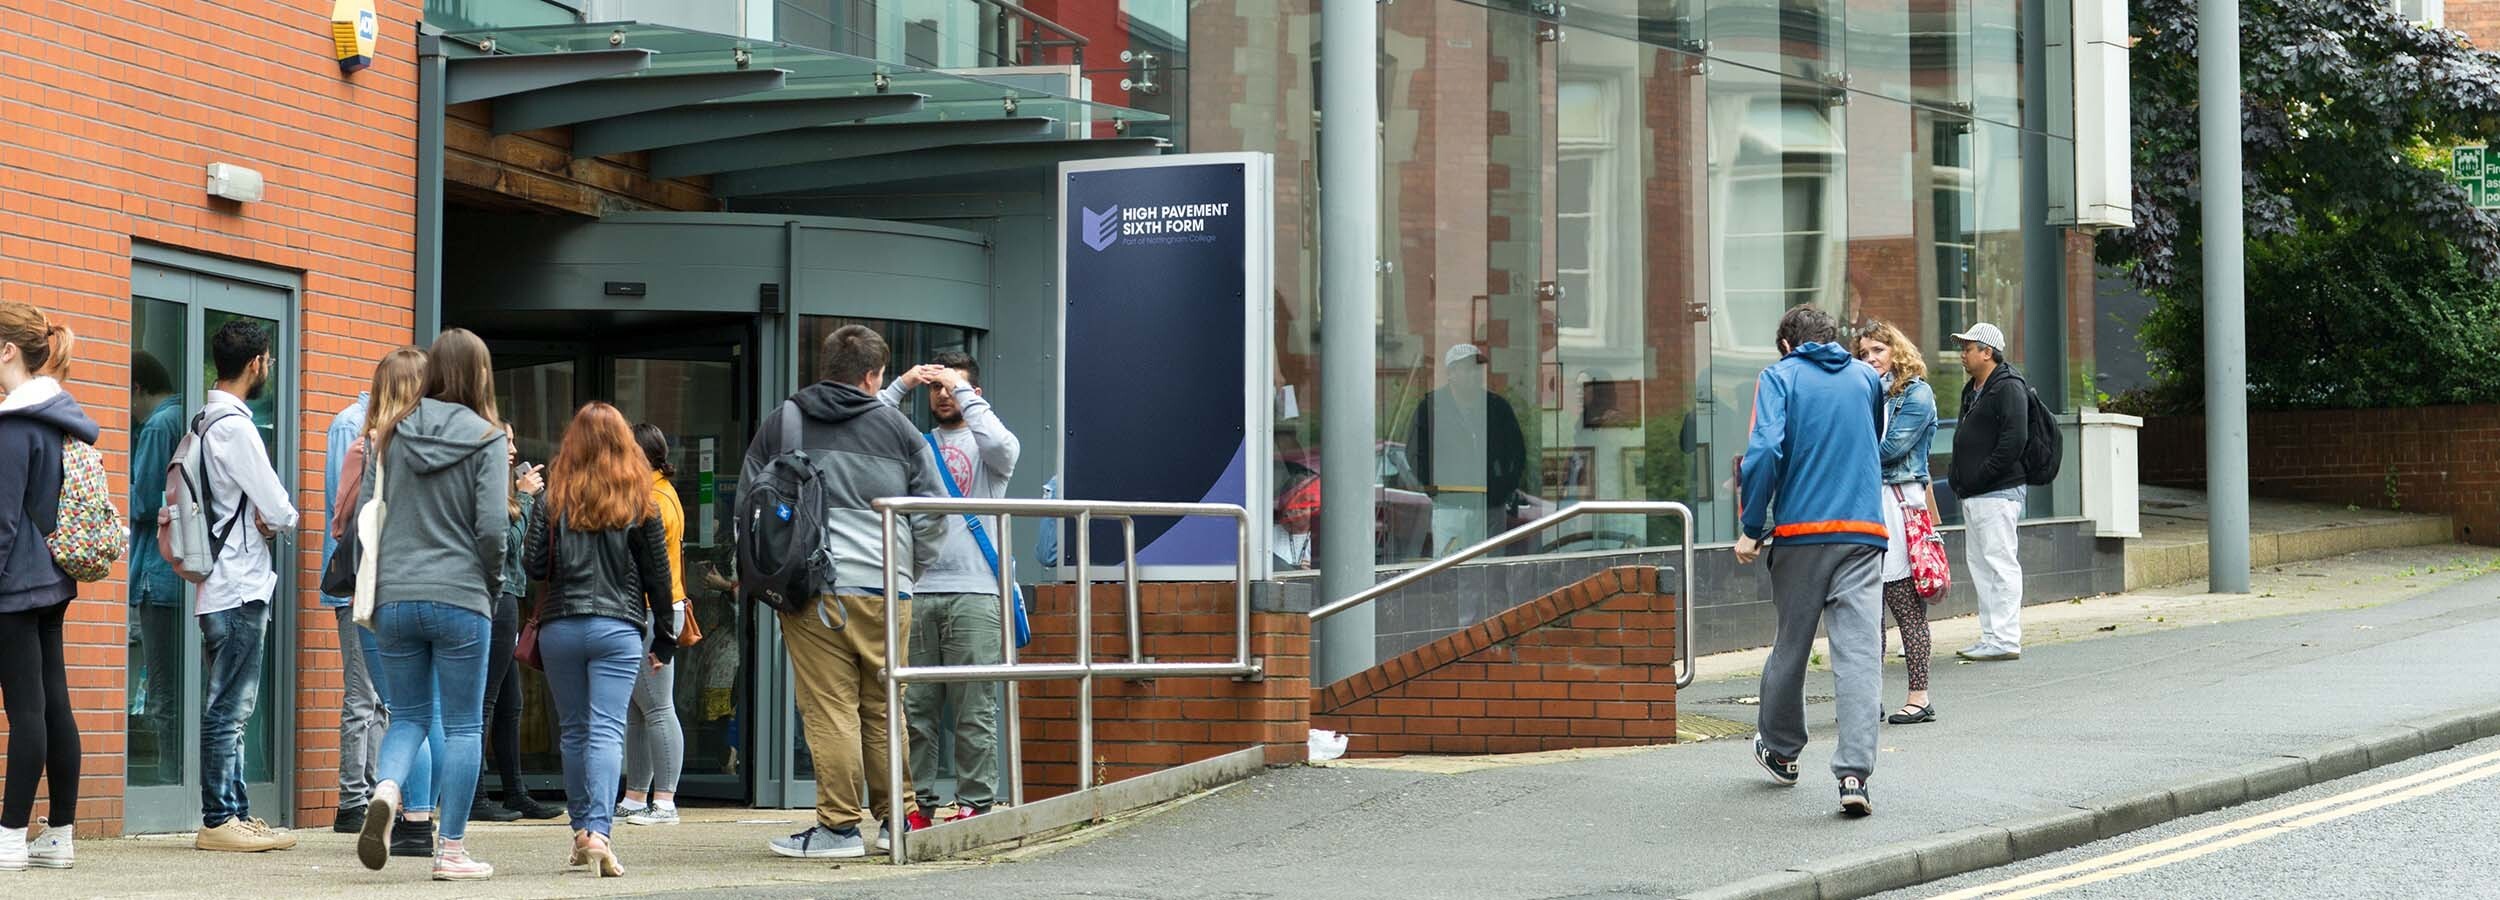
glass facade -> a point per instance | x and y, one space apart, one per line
1595 222
1595 214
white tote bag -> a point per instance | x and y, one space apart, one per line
369 543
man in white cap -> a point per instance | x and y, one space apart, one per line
1988 474
1467 450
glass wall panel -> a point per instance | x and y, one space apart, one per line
1592 235
160 609
1941 53
1803 38
1779 236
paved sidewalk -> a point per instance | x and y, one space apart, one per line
715 848
2175 690
2068 723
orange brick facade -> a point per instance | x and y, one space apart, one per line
1591 665
1146 726
112 111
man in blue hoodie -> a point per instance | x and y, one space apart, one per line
1818 415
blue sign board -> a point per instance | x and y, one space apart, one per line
1164 328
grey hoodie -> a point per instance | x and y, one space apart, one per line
34 420
447 507
870 451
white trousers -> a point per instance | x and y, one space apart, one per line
1989 532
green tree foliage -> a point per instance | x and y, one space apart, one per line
2368 269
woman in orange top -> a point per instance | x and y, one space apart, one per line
655 744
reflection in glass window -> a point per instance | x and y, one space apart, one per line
1957 244
1583 170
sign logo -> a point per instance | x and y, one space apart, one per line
1102 229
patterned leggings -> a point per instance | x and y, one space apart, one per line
1910 613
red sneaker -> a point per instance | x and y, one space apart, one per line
916 820
964 811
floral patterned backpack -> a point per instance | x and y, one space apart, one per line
91 535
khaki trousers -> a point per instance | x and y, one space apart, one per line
841 701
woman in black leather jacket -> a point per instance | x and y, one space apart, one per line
598 545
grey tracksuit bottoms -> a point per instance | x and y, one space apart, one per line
1809 583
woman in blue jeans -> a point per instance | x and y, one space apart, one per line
598 545
398 385
446 493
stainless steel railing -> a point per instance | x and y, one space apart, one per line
1683 600
1084 669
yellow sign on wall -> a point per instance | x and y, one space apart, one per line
353 26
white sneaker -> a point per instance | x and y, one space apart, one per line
12 849
654 815
52 848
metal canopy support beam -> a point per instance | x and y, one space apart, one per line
941 162
608 98
836 142
2226 312
488 77
433 79
1349 347
704 122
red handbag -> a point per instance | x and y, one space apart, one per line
525 650
1930 572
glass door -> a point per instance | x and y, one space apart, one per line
698 388
698 392
174 314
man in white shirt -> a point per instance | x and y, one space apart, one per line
246 504
955 613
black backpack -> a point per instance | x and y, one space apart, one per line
2045 449
784 560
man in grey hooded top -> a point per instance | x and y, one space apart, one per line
866 450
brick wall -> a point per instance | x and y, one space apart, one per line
114 108
1591 665
1145 726
2431 459
2479 19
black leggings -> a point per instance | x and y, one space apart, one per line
503 697
43 735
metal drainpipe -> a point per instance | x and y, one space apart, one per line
1350 298
432 73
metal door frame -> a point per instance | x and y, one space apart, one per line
151 808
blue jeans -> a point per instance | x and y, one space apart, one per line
591 662
234 642
435 651
417 793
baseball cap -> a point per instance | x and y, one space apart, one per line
1985 334
1458 353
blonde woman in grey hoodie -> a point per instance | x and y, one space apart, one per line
442 479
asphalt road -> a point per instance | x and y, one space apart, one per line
2068 723
2433 837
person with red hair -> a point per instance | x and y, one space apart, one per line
600 547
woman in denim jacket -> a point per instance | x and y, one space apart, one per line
1909 432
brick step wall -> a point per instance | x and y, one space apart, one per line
1590 665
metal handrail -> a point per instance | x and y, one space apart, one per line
1684 601
1084 669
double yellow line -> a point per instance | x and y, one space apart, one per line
2225 836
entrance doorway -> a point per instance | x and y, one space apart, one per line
697 387
177 304
701 323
